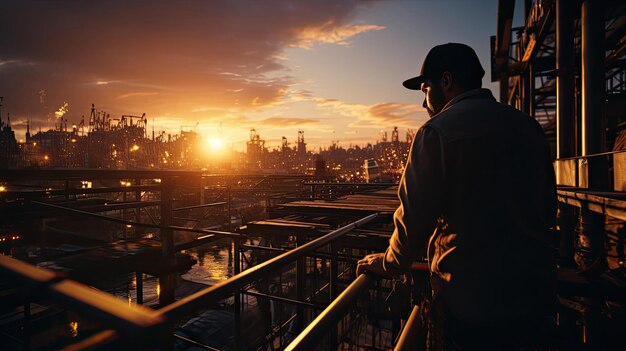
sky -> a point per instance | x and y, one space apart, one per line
331 68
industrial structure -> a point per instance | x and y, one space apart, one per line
292 239
566 67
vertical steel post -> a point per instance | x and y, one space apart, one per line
593 139
300 287
504 89
228 210
237 302
332 280
565 95
567 219
566 138
593 77
139 287
138 209
166 281
26 326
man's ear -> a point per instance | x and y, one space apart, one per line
446 81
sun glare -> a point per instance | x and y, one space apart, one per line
216 144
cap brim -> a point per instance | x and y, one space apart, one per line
414 83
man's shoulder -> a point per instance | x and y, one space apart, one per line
478 116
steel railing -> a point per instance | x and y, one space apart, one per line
315 332
140 322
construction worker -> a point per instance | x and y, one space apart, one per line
478 198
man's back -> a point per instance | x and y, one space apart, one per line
499 200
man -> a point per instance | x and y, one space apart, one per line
477 198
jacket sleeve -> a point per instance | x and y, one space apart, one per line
421 200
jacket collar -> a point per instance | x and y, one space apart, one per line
480 93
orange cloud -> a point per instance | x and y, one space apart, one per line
135 94
331 33
286 122
381 115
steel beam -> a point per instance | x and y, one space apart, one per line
565 95
593 78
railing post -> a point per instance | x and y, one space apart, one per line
139 287
237 297
592 227
137 210
26 325
228 211
166 281
334 276
300 286
567 220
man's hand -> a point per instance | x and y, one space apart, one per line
374 263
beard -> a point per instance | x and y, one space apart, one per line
430 112
434 101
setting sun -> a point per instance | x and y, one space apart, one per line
216 144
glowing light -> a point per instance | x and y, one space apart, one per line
45 157
73 140
62 110
3 188
134 147
216 144
73 329
158 289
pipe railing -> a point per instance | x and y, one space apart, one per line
315 332
229 286
138 321
110 311
138 224
409 338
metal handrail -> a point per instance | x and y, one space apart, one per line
102 306
229 286
135 320
138 224
409 337
377 185
314 333
199 206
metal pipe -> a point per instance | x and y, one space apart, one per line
147 225
565 115
95 341
112 312
231 285
195 343
409 337
593 77
315 331
332 281
199 206
282 299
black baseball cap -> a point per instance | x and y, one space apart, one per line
452 57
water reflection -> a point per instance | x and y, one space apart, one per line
213 265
